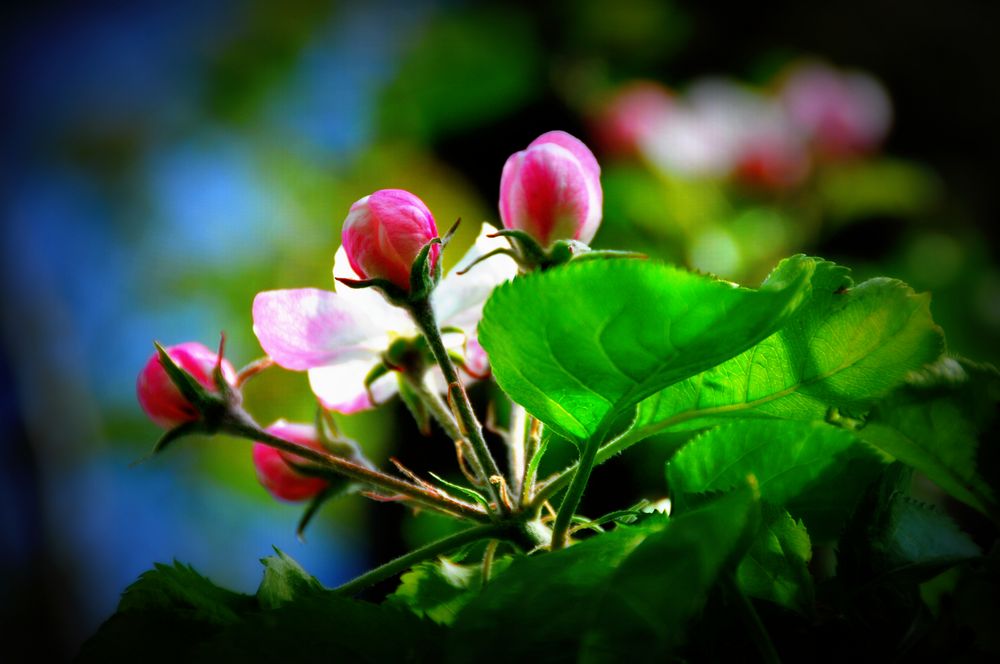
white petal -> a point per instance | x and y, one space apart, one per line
341 387
458 300
369 301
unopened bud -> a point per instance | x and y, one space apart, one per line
552 190
275 468
161 399
384 233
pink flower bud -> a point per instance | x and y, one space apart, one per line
274 469
552 190
384 232
161 399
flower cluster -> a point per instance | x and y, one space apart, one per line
392 323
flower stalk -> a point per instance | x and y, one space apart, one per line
423 316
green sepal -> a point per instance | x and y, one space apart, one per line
423 279
329 493
474 495
376 372
213 408
415 405
186 429
391 291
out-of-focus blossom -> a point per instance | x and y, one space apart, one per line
160 398
842 113
384 232
274 467
633 116
339 337
552 190
720 129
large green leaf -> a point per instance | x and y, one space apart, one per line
933 425
800 466
844 350
173 614
164 616
579 345
776 568
626 593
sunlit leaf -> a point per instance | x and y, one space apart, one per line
844 350
579 345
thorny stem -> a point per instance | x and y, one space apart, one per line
433 499
423 316
441 546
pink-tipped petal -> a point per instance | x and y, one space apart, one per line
307 327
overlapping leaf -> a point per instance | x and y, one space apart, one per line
844 350
933 425
626 593
817 471
579 345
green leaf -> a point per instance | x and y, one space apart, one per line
579 345
921 541
164 616
628 592
817 471
933 425
327 627
284 580
173 614
439 590
844 350
777 566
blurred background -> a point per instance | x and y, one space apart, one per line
166 161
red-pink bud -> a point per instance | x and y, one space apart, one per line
384 233
552 190
275 472
161 399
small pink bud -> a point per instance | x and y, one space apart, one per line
275 472
552 190
633 116
384 233
161 399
